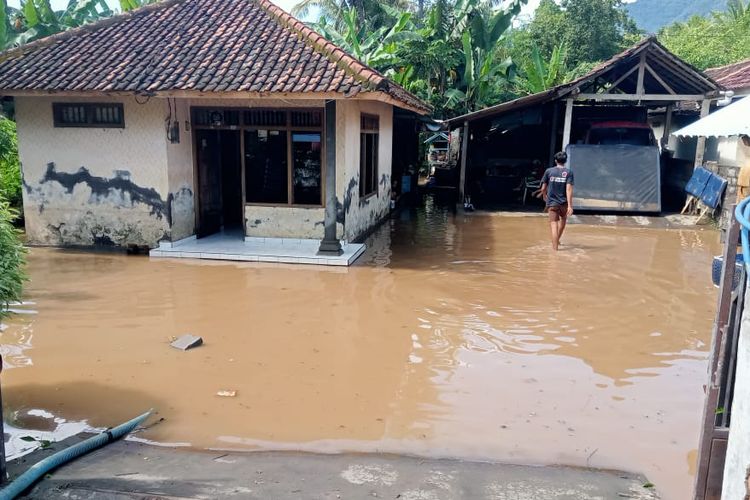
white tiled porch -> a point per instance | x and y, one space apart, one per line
232 246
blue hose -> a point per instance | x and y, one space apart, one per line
38 470
742 213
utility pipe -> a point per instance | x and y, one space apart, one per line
38 470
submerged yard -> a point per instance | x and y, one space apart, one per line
454 336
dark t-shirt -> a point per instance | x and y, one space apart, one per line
557 180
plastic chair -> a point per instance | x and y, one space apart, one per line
530 185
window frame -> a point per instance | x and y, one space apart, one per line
365 128
290 129
57 110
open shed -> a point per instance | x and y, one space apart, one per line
505 148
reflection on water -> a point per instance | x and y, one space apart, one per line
455 335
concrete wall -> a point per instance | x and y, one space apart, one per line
180 174
284 222
91 186
360 215
110 186
731 174
737 464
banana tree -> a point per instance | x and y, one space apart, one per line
36 19
539 75
738 10
483 71
379 48
128 5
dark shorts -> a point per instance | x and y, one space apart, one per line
557 212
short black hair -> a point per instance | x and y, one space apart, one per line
561 158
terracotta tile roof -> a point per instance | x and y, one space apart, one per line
204 46
735 76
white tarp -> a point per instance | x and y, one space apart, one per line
734 120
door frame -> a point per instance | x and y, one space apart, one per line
196 172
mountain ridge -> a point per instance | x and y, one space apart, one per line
652 15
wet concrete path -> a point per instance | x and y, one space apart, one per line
129 471
455 336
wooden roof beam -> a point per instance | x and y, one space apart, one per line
641 97
622 78
660 80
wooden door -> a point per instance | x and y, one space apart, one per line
209 182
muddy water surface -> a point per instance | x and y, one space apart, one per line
456 336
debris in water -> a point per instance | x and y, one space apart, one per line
186 342
227 394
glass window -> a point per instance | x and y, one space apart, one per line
266 168
306 161
368 155
88 115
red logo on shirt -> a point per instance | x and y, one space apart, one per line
565 174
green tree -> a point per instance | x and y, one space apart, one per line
718 39
538 75
458 64
588 30
12 259
377 48
484 72
372 14
36 19
10 168
128 5
597 29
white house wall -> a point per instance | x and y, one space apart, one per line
360 215
131 186
180 172
94 186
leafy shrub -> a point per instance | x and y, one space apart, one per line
10 167
12 258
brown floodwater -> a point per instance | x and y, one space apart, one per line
454 336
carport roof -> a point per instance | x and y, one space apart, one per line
666 71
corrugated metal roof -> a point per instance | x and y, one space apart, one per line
732 121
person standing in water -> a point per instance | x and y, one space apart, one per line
557 190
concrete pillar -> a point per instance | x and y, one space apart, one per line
700 150
568 123
330 244
464 155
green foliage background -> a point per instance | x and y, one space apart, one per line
10 168
718 39
12 259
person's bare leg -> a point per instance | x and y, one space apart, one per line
555 228
561 228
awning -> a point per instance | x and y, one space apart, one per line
734 120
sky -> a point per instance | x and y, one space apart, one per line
284 4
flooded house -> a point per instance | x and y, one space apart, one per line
615 122
193 121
